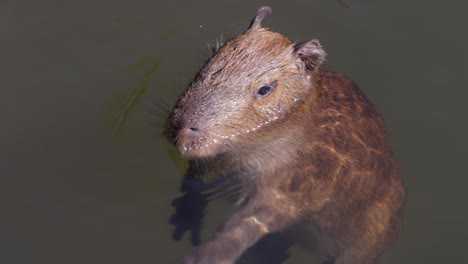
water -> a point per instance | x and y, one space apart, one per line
85 177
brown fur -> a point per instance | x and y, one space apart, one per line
315 150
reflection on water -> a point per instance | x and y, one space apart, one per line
147 67
342 3
127 104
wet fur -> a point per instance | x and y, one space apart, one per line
315 151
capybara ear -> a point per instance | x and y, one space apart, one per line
262 12
309 54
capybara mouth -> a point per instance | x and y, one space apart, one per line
194 147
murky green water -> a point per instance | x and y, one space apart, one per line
86 177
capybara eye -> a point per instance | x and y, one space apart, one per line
266 90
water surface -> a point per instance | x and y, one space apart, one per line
86 178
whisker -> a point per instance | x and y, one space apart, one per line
211 48
226 186
157 115
231 192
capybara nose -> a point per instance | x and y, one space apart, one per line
190 132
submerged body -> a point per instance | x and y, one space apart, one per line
307 145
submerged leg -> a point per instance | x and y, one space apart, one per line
241 232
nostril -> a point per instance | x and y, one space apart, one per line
191 131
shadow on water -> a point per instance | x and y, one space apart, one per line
188 220
189 210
